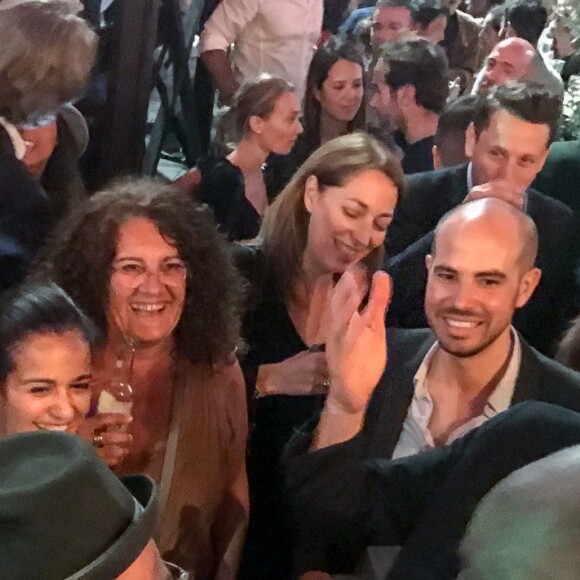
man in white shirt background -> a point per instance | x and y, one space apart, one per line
278 38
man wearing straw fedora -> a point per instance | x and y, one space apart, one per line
65 516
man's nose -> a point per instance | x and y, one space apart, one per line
463 296
491 77
509 171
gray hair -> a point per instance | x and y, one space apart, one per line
540 73
529 523
46 57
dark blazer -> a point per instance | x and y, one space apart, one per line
556 301
322 544
343 498
427 197
560 176
539 379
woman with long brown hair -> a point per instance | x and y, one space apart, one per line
331 217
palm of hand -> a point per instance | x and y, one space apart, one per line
356 348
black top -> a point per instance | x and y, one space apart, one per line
222 189
417 156
271 338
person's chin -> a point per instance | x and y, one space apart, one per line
463 345
346 114
152 336
284 150
341 264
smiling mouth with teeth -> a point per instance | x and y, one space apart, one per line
43 427
148 307
461 323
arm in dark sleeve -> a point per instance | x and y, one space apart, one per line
424 501
251 264
25 216
326 493
474 465
340 502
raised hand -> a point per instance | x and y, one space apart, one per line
356 354
500 189
356 346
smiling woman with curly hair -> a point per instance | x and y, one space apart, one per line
152 271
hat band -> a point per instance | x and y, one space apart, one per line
83 572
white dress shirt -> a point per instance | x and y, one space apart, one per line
416 437
277 37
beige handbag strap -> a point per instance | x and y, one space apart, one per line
171 448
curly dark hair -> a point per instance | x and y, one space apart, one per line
80 254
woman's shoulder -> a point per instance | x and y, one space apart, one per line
221 182
214 167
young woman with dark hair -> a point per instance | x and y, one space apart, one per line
334 105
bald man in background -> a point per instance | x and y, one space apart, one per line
510 60
515 59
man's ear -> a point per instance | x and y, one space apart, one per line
470 139
406 96
311 192
437 163
428 261
528 284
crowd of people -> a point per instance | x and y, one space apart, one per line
355 322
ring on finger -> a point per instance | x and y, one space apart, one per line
98 440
